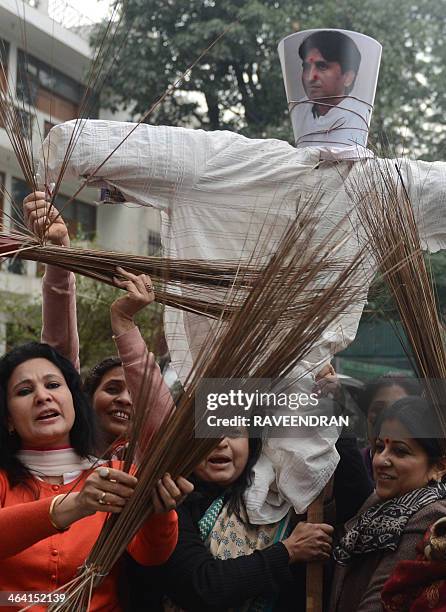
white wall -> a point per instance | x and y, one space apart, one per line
125 228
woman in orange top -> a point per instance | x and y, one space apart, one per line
53 502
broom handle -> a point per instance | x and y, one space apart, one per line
315 571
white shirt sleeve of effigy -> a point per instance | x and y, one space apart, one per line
426 184
223 196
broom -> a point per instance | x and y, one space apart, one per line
388 217
254 343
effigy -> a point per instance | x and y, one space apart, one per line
223 196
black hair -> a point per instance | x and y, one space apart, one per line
393 379
234 493
334 47
419 418
83 432
96 374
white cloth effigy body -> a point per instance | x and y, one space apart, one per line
221 195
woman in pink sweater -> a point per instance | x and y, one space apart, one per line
115 383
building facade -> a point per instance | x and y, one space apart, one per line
44 61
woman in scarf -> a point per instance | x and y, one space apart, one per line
377 395
409 466
222 561
53 502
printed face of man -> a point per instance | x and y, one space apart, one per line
322 79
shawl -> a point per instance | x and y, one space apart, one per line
380 527
228 537
416 585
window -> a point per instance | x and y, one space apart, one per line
23 118
25 121
2 186
79 217
19 191
50 90
153 243
4 55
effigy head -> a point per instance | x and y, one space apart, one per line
330 80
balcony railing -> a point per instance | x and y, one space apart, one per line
66 14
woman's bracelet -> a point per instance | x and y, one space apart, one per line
50 514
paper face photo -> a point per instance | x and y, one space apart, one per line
330 81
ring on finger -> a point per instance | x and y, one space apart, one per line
104 472
101 498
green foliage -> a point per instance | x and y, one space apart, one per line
380 302
240 79
437 265
23 319
95 333
93 311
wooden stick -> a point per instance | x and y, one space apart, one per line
315 571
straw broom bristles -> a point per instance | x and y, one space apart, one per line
387 214
101 266
195 277
254 343
197 286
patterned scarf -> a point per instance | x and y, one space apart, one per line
380 527
228 538
207 521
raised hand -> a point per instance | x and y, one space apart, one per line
139 294
44 220
327 382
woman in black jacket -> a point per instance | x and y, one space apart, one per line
223 562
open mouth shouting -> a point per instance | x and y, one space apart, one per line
219 461
48 415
